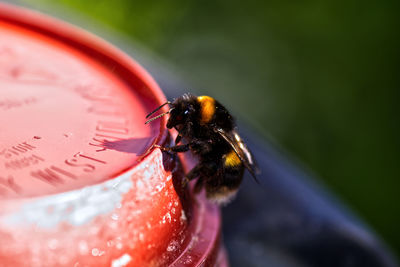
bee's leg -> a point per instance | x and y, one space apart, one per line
186 130
194 173
203 170
178 139
174 149
201 147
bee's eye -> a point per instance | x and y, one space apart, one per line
186 112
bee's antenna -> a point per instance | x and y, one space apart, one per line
158 116
151 113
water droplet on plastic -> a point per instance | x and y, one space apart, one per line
95 252
188 260
183 216
168 217
141 237
122 261
172 246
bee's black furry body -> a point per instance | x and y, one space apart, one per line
208 130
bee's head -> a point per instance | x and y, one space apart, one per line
181 112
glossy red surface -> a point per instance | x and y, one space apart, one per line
78 186
64 111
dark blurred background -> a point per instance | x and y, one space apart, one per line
318 78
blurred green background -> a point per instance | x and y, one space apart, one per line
320 78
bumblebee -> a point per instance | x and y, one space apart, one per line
208 130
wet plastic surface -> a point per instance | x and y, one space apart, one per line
78 185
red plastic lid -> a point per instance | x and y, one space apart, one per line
75 188
64 110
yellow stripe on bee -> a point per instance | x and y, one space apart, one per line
207 108
231 159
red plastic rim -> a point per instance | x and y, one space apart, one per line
76 188
80 101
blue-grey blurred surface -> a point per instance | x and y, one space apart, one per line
319 78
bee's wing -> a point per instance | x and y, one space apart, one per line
241 150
